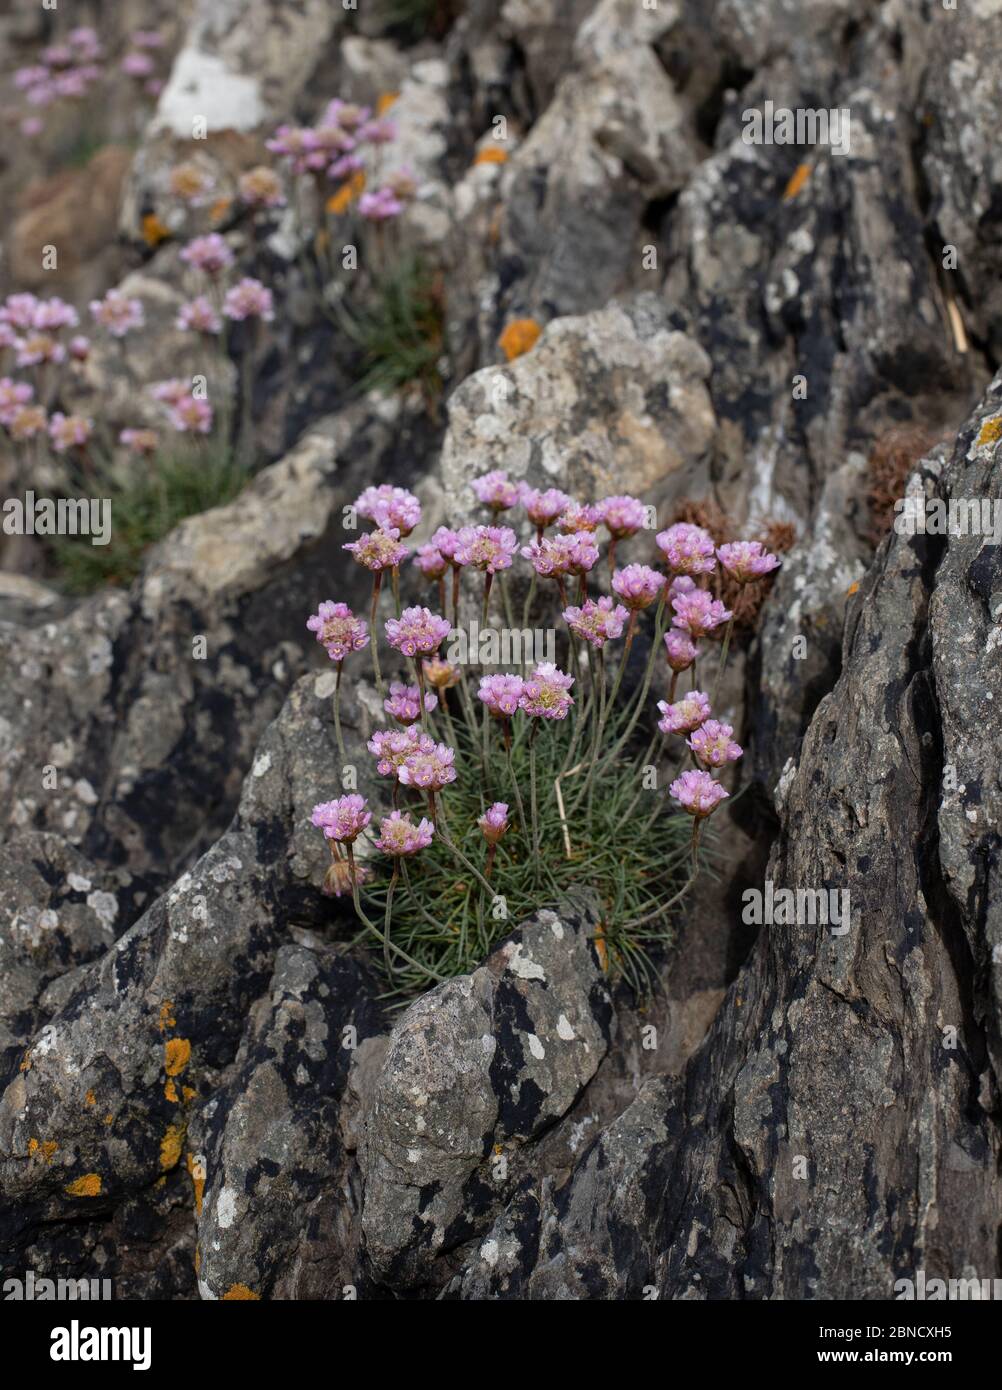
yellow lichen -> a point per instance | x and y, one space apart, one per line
852 589
797 180
519 337
166 1016
177 1055
87 1186
344 197
384 101
491 154
109 1119
220 208
170 1091
154 231
189 1093
600 947
170 1146
236 1291
990 431
90 1098
196 1170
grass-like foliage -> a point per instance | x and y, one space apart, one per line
156 495
621 843
400 332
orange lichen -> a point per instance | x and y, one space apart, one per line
109 1119
87 1186
519 337
167 1019
990 431
220 208
491 154
154 231
170 1146
342 199
177 1055
90 1098
852 589
237 1291
188 1093
26 1061
170 1091
799 177
384 101
196 1171
600 947
42 1148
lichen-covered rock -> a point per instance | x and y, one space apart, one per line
476 1067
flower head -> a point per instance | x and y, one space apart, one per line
429 769
37 348
261 187
623 516
417 632
191 183
19 311
687 549
140 441
338 629
494 822
69 431
545 693
697 793
337 879
747 560
431 562
404 703
487 548
118 313
398 835
681 649
26 421
382 205
446 542
198 316
210 254
391 508
13 395
543 507
52 314
501 694
579 516
496 490
378 550
249 299
713 745
392 747
549 557
190 415
441 675
685 714
698 613
597 620
637 585
343 819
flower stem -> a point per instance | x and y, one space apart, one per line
337 717
382 935
377 582
723 660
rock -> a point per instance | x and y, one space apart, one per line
477 1067
608 402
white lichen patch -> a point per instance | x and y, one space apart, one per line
104 906
564 1029
535 1047
520 963
261 764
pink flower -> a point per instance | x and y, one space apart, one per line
391 508
685 715
551 556
496 490
118 313
637 585
441 674
697 793
429 769
381 206
698 613
146 38
581 551
713 745
338 629
681 649
80 348
545 693
337 879
26 421
19 311
747 560
597 621
137 65
343 819
431 562
39 347
249 299
494 822
578 516
417 632
488 548
446 542
687 549
543 508
261 187
501 694
198 317
378 550
392 747
169 392
297 144
13 395
69 431
623 516
190 415
404 704
53 314
139 441
210 254
399 835
378 132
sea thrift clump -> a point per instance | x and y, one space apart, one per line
404 703
398 835
546 693
698 613
496 490
417 632
685 715
501 694
597 621
713 745
638 586
697 793
487 548
687 549
378 550
746 560
429 769
342 820
338 629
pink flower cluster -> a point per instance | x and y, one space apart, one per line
338 629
